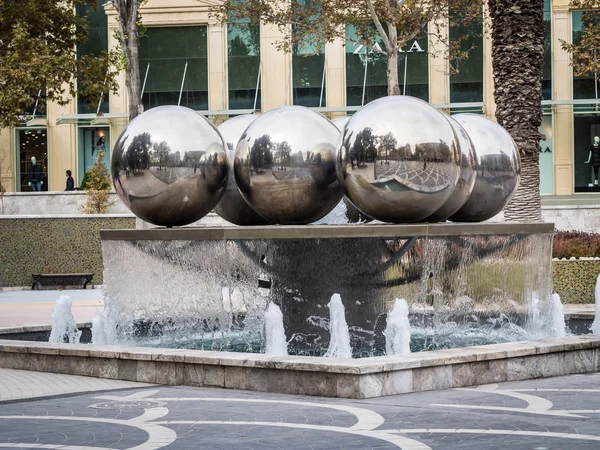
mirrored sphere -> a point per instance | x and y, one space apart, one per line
353 214
466 179
398 159
232 207
498 173
285 166
169 166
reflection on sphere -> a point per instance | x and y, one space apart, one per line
398 159
466 179
498 173
232 207
169 166
285 166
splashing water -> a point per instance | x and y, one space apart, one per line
397 331
337 216
275 333
596 325
339 344
64 327
557 317
98 332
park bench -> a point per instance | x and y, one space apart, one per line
61 279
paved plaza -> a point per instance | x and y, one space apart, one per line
555 413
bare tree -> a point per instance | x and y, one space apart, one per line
129 19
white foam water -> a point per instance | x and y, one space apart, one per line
64 327
98 329
397 331
557 317
596 325
275 333
339 344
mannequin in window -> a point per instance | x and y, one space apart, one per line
35 175
594 158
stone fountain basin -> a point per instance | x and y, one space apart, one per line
305 375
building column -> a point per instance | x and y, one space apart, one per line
118 101
62 146
335 78
8 159
562 82
217 61
276 70
489 102
439 78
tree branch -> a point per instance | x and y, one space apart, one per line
380 30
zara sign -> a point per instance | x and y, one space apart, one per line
414 48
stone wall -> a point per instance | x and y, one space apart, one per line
59 244
42 203
575 279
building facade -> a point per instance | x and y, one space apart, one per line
221 70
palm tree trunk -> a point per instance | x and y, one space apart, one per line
518 64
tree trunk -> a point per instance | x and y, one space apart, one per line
127 11
518 64
393 84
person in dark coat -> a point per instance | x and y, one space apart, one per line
70 182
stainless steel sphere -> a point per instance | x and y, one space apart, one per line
466 179
498 173
285 166
353 214
232 207
169 166
398 159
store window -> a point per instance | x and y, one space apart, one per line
366 78
33 160
466 74
92 140
97 42
547 157
586 132
547 78
308 75
584 87
244 73
174 67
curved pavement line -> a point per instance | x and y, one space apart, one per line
382 435
550 434
158 436
367 419
60 446
556 413
534 403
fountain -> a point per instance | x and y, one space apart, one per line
397 331
339 340
276 343
98 332
260 289
64 327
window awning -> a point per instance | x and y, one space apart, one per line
90 119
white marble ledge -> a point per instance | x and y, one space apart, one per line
308 363
67 216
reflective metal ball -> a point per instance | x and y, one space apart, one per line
398 159
285 166
498 173
169 166
353 214
466 179
232 207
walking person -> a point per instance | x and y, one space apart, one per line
70 182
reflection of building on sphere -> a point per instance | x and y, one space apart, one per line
498 172
232 207
285 166
466 180
399 159
169 166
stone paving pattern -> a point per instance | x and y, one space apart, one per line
555 413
